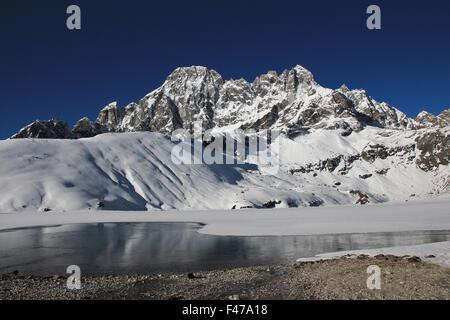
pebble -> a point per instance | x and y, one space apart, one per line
414 259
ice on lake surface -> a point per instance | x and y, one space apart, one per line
128 248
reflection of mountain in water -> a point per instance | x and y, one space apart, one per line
149 247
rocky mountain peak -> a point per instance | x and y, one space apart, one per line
85 128
380 113
49 129
303 74
425 120
111 116
444 118
343 88
192 78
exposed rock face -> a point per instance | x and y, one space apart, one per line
85 128
362 197
188 95
428 120
380 114
111 117
340 164
373 152
434 150
51 129
234 97
193 94
444 118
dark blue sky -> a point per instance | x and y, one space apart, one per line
127 48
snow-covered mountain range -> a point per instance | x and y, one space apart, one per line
336 147
292 100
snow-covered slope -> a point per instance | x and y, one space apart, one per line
134 171
112 171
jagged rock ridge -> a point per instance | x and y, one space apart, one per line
291 101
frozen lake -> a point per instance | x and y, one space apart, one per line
146 247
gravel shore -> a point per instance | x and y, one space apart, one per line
345 278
